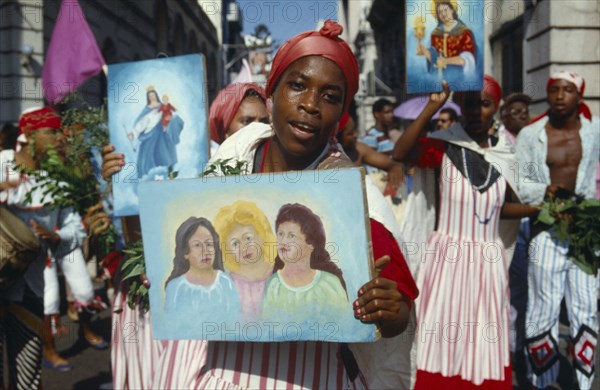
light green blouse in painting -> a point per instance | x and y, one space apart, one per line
324 297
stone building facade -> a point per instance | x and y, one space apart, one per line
531 39
125 31
525 42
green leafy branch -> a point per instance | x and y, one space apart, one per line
132 269
224 167
93 121
68 180
577 222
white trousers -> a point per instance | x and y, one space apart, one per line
77 276
551 275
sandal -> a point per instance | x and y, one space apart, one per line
72 312
99 343
64 367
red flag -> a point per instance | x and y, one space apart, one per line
73 55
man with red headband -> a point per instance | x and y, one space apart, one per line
40 129
557 157
61 233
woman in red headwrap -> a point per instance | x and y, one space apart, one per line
312 81
462 313
237 105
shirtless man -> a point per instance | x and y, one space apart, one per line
557 156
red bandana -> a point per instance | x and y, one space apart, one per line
343 121
325 43
38 119
493 89
571 77
226 105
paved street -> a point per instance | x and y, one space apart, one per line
92 368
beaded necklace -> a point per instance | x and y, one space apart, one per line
475 189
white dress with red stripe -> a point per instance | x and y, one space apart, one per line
140 362
276 366
463 309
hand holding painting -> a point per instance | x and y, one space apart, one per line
385 294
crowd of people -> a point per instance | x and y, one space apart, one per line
466 291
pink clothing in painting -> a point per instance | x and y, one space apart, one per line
251 293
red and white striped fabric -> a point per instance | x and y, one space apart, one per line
139 362
293 365
463 310
134 353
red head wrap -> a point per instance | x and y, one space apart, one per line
343 121
579 83
571 77
325 43
492 89
39 118
226 105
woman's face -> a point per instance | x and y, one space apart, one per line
478 111
152 97
201 252
307 105
246 244
291 243
445 13
252 109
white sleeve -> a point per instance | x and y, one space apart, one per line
147 122
469 66
70 230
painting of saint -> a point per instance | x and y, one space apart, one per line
157 118
157 129
259 258
454 51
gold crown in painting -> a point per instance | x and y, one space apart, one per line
434 3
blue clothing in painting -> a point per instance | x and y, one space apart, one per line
217 303
157 144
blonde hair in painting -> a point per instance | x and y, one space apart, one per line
246 213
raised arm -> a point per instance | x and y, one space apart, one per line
408 140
